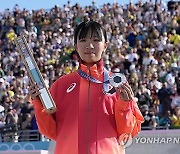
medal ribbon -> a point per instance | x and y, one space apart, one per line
106 86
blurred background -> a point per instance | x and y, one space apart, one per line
144 44
47 4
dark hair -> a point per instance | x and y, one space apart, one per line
83 28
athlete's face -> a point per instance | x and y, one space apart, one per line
90 49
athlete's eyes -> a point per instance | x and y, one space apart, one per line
82 40
97 40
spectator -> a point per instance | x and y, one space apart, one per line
11 119
2 122
176 100
164 95
166 120
26 125
2 88
176 118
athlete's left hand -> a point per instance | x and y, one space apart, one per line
125 92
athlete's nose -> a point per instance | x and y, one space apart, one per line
90 46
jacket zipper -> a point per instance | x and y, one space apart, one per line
87 116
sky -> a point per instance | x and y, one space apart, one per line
47 4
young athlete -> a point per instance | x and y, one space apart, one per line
90 118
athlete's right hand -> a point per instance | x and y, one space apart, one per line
33 90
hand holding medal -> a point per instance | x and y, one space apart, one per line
119 82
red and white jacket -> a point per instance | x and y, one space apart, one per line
87 121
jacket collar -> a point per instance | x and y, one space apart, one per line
96 70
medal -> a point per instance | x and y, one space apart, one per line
117 79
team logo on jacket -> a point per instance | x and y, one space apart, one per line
71 87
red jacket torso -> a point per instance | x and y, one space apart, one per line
87 121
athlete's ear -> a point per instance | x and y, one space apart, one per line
105 46
75 47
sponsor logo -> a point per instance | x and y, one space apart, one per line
71 87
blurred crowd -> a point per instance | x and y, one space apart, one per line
144 44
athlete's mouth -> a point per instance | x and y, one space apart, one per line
89 52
